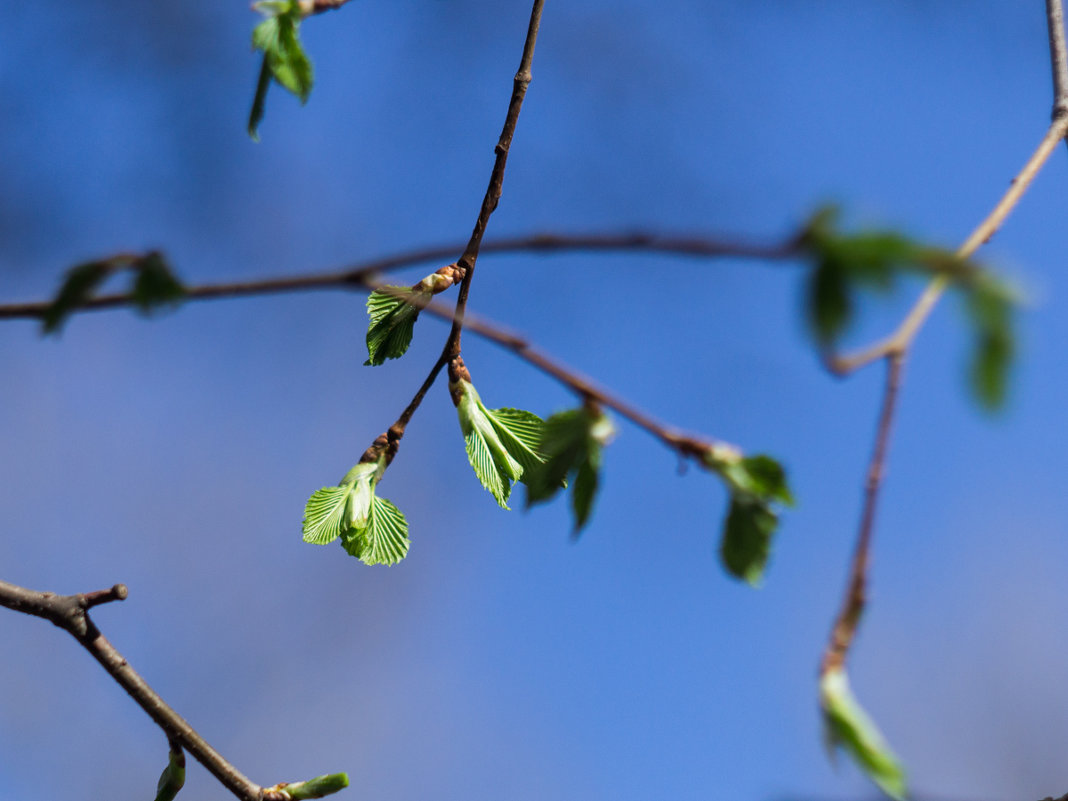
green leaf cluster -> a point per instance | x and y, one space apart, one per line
393 311
284 59
571 448
173 777
756 484
848 726
502 444
844 263
370 528
154 286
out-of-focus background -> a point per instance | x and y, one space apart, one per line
500 660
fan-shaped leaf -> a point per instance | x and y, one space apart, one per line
324 514
173 777
384 540
392 323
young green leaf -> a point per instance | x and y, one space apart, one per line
173 777
571 446
501 444
393 316
78 286
371 528
284 58
314 788
747 534
990 305
324 514
155 285
756 483
383 539
848 726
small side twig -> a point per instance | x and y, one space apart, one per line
71 613
845 625
1058 56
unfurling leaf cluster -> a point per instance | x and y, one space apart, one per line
756 485
848 726
284 59
370 528
394 309
154 286
502 444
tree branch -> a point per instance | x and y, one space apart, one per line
70 612
1058 56
356 276
900 341
496 183
845 625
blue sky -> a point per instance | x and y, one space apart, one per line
500 660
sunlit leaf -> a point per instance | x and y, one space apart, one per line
848 726
500 443
384 538
324 514
393 317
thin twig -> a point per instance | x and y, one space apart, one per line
496 183
70 612
845 625
1058 56
354 277
902 338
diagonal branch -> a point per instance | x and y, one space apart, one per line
71 613
492 197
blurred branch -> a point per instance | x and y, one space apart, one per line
900 341
360 276
71 613
895 349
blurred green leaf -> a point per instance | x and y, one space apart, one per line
173 777
284 58
990 305
756 483
78 286
571 446
848 726
392 324
155 285
747 535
